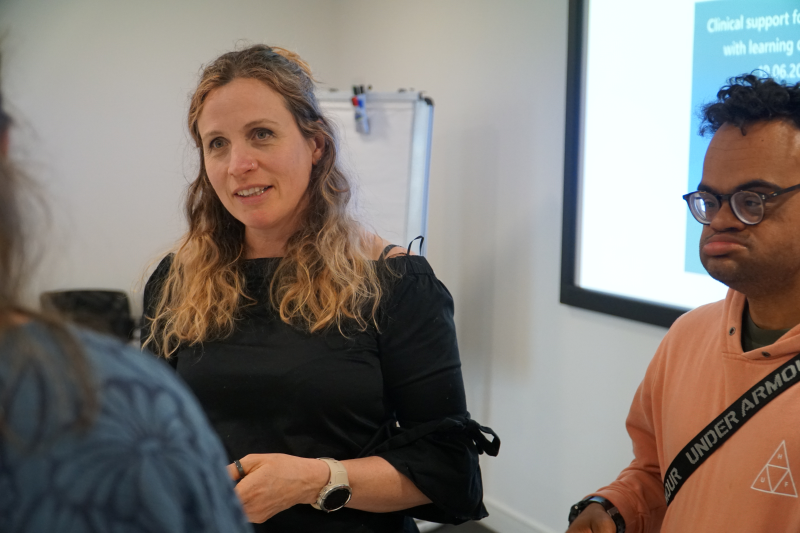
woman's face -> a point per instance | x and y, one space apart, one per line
256 158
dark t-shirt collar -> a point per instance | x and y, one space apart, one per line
753 337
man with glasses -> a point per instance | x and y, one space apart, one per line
715 423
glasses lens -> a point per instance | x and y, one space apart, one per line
748 206
703 206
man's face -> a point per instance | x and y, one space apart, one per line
764 258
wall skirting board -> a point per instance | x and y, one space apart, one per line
503 519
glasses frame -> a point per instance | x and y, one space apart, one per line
727 197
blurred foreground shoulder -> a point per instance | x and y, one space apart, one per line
148 460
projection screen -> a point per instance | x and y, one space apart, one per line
638 72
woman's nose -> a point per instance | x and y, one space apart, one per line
241 162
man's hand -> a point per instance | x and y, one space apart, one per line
593 519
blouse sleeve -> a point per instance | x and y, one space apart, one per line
433 442
152 291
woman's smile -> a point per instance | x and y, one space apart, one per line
253 191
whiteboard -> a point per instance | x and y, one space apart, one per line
390 165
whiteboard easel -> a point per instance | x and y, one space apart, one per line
390 164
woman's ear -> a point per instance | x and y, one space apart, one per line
317 143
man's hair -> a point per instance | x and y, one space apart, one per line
750 98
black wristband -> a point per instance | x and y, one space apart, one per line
609 507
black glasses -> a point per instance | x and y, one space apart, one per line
748 206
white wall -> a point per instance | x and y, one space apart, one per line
103 94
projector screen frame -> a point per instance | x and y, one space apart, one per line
571 293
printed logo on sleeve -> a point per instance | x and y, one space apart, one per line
776 477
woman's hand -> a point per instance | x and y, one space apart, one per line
274 482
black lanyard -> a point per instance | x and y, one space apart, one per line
714 435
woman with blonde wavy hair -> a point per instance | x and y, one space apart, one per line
304 336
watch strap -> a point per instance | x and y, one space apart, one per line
609 508
338 471
338 478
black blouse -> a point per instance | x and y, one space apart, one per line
395 392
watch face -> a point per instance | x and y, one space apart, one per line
337 498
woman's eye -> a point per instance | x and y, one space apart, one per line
215 144
262 135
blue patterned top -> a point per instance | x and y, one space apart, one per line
148 462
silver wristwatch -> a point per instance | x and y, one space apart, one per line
337 492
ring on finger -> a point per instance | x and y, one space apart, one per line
238 466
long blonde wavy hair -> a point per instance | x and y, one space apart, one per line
326 277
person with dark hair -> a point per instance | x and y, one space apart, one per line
749 99
94 436
714 423
325 358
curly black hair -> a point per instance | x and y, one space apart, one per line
750 98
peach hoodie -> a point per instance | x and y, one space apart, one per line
698 370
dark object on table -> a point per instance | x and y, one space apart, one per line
104 311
